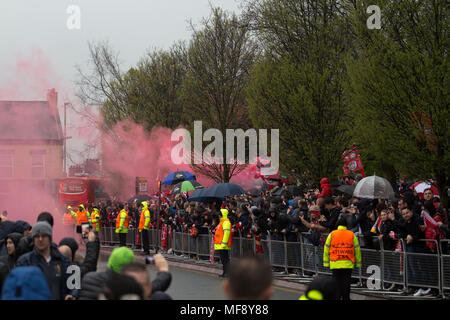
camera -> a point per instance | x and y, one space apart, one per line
149 260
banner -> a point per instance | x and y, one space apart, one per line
164 232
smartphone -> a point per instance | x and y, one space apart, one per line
84 230
149 260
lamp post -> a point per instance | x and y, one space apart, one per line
158 215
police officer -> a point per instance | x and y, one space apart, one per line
340 253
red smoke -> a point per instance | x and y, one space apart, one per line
24 198
137 153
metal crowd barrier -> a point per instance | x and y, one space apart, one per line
404 268
445 265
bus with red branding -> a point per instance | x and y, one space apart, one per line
74 191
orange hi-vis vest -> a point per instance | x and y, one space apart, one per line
82 217
218 236
145 217
125 225
68 219
341 247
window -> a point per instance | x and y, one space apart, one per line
37 163
6 163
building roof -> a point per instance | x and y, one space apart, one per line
28 121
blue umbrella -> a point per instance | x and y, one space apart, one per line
223 190
177 177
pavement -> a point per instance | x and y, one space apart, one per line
198 280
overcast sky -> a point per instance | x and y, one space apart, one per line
38 50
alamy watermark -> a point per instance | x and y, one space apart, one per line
74 20
214 152
374 21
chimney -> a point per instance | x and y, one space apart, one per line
52 98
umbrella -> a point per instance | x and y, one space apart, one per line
223 190
422 185
290 191
177 177
347 189
198 196
186 186
139 198
374 187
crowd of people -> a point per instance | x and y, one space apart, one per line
313 214
33 267
410 219
280 215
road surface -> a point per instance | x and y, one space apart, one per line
199 285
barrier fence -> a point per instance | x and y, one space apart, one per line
406 267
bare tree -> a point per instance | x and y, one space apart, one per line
219 59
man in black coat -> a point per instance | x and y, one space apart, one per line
333 216
26 243
412 230
69 246
52 263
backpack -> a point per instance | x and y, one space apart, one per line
26 283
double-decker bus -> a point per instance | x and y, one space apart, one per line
74 191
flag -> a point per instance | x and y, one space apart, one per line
429 221
211 249
352 161
259 248
376 226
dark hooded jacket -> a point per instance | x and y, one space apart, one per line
8 260
13 227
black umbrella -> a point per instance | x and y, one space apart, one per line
198 196
139 198
347 189
289 191
223 190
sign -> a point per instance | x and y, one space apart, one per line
141 185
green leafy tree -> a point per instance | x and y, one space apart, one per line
298 85
399 89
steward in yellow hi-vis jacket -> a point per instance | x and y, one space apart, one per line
144 226
122 223
223 239
340 253
95 219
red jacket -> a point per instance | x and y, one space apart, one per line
326 188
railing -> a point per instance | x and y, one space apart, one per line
403 267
